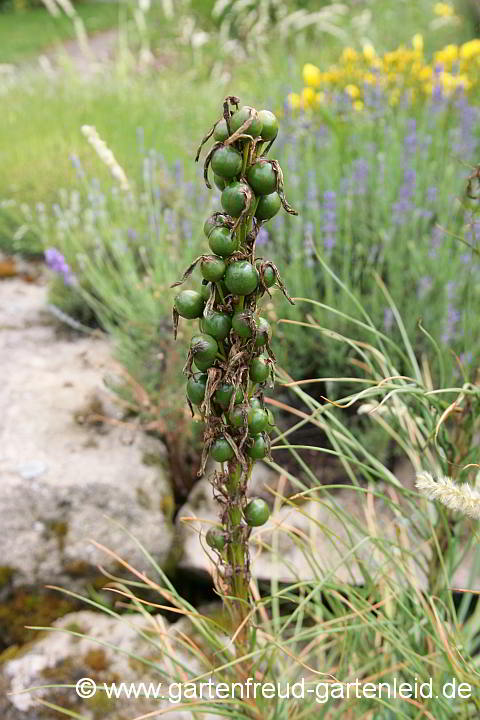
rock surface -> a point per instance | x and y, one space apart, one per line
112 653
64 479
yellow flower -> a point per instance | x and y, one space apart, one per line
417 42
449 82
425 73
349 55
353 91
368 52
370 79
470 49
294 100
448 55
463 81
312 75
358 105
443 9
319 98
308 96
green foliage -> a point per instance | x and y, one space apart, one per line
387 197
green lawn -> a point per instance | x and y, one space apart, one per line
22 35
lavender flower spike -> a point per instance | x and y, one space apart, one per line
56 262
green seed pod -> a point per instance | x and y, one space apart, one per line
214 221
236 418
222 242
220 182
196 388
216 324
213 268
209 224
264 332
224 393
234 199
242 116
205 290
268 206
269 125
257 421
241 324
269 277
221 450
226 162
255 403
241 278
204 348
259 369
268 273
203 365
221 131
189 304
259 447
215 539
257 512
262 178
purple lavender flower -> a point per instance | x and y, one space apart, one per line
170 221
262 237
388 319
453 317
437 95
329 219
410 142
424 286
75 160
360 176
463 138
404 204
466 358
311 189
451 287
178 172
431 195
436 241
187 230
308 244
56 262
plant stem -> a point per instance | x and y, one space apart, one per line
238 555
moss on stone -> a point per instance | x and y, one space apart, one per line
30 608
96 659
58 528
6 575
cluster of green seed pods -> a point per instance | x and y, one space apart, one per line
230 360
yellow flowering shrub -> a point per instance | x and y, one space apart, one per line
443 9
394 72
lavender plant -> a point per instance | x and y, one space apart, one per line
231 362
